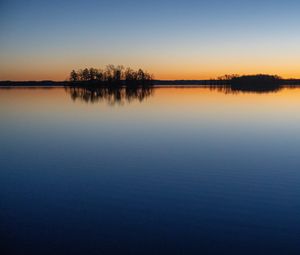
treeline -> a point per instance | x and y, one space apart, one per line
257 82
117 75
251 79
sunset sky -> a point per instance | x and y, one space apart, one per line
175 39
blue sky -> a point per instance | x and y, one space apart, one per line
172 39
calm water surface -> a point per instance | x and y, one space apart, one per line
169 171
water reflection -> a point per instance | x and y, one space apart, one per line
185 170
112 95
236 89
124 94
121 95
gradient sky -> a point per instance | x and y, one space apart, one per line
171 39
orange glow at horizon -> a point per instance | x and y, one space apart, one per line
64 74
192 70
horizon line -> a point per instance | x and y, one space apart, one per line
154 80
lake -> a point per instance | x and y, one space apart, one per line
164 171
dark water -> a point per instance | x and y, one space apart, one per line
169 171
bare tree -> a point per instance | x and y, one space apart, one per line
86 74
112 75
99 75
92 74
74 76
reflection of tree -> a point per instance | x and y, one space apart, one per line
112 95
235 89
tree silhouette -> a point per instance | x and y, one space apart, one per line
111 75
99 75
86 75
92 74
255 83
73 76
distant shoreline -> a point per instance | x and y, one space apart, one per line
173 83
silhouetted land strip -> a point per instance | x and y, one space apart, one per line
115 80
11 84
256 83
178 83
101 84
